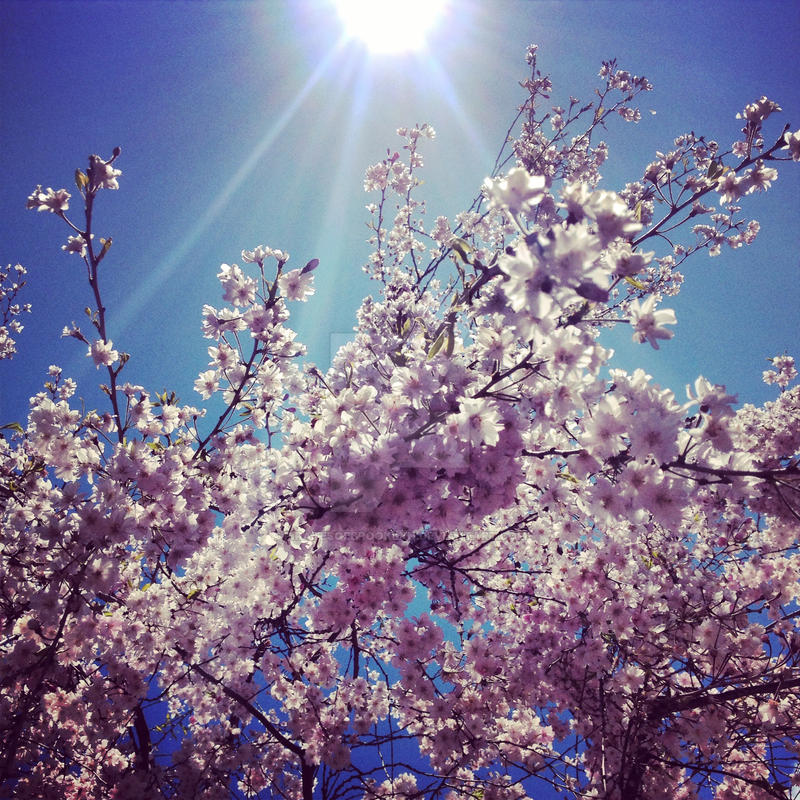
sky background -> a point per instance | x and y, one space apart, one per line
246 123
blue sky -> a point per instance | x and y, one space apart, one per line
246 123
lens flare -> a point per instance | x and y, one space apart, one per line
389 26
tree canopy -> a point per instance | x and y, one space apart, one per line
473 559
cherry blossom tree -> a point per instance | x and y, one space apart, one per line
471 560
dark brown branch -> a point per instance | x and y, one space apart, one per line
701 698
245 703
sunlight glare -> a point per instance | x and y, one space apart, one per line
389 26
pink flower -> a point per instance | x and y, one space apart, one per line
760 178
740 149
102 353
207 383
56 202
731 187
612 216
712 398
477 421
792 144
75 244
102 175
624 262
376 177
295 285
648 324
517 192
238 289
604 429
783 374
654 432
758 111
529 285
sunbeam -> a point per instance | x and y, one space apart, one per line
147 288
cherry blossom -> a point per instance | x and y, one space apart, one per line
792 144
649 324
783 372
102 353
101 174
49 200
518 191
295 285
759 110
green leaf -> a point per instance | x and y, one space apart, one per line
81 180
106 247
462 247
12 426
437 345
636 284
451 341
716 170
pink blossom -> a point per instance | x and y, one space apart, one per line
56 201
711 398
376 177
783 372
792 140
207 383
102 353
649 324
760 177
238 289
75 244
518 191
477 422
759 110
102 175
731 187
296 285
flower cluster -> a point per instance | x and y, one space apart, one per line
783 371
11 283
57 202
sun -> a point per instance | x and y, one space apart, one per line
389 26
